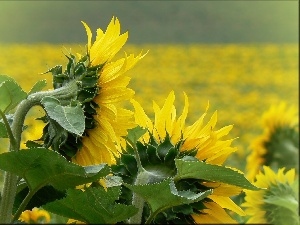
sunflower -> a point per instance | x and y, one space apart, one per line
277 203
278 146
201 139
111 120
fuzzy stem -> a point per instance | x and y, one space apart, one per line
10 180
138 201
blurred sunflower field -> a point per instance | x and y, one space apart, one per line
240 81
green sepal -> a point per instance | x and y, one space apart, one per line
40 167
187 169
94 205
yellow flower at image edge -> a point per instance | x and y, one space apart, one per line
208 144
278 146
278 203
112 121
35 215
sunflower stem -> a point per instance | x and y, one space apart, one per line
64 93
138 201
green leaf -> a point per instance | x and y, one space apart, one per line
3 132
40 167
11 94
70 118
38 86
209 172
92 206
164 195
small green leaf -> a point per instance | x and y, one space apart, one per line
204 171
40 167
164 195
38 86
11 94
92 206
3 132
70 118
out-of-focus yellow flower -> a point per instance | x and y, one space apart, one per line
278 146
35 215
202 138
278 203
112 120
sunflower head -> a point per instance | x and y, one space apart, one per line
101 87
168 139
278 146
278 203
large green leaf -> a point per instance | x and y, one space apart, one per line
11 94
164 195
200 170
40 167
70 118
93 206
38 86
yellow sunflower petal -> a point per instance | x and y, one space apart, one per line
89 34
226 202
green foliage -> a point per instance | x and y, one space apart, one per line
11 94
40 167
92 205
